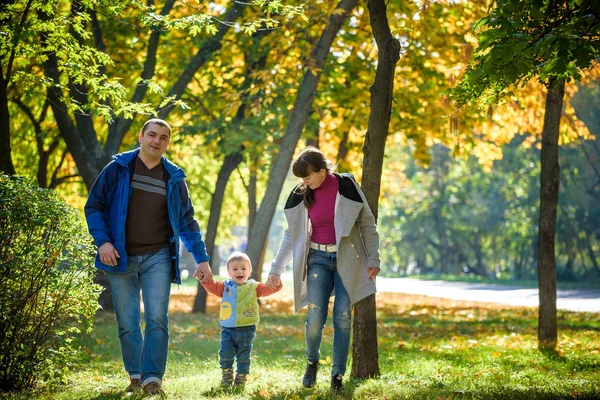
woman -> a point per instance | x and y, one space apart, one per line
334 243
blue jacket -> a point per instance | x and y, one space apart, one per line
106 212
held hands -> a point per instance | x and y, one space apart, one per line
203 272
108 254
372 272
274 282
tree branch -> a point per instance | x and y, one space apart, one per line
119 129
210 46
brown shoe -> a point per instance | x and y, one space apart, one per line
134 386
336 384
153 389
310 375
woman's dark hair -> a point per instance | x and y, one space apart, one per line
308 161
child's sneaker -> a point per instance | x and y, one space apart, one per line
240 380
226 376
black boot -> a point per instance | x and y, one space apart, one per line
310 375
336 383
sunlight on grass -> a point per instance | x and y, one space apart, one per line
428 349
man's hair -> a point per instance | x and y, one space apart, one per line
239 256
157 121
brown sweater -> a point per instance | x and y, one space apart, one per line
147 226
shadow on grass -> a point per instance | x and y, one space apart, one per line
314 394
118 395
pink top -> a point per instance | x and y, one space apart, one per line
323 211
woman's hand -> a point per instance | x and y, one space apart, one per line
372 272
273 281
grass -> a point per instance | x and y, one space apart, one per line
428 349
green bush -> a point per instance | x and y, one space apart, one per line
46 289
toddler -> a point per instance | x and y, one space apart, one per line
238 315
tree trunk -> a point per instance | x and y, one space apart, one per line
519 259
257 269
82 144
252 194
6 163
44 155
313 140
300 113
365 358
230 163
343 149
592 254
549 185
85 149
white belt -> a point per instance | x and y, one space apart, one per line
330 248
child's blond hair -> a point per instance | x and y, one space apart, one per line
239 256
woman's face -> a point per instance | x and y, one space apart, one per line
315 179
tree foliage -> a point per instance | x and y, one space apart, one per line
542 39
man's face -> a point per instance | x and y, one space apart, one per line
154 141
239 271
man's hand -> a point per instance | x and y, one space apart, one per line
203 272
108 254
273 281
372 271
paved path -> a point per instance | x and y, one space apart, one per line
587 300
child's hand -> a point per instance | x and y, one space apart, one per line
274 282
203 273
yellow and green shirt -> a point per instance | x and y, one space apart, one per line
239 303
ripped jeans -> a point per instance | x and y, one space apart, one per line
323 279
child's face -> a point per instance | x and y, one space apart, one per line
239 271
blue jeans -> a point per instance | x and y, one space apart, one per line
323 279
236 343
144 357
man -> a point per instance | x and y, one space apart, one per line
136 211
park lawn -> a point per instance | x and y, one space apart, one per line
428 349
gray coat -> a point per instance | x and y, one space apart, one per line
356 238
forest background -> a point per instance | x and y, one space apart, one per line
460 187
247 84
